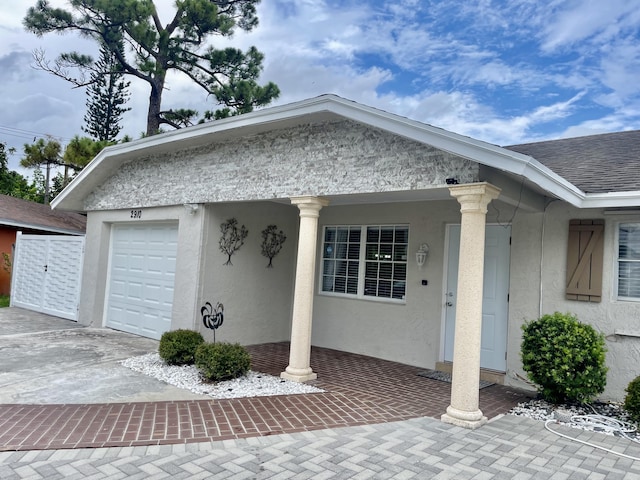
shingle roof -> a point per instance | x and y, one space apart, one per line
30 215
603 163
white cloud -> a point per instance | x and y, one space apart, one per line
494 70
578 21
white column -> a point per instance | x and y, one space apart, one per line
299 368
464 410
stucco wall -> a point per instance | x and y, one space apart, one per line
410 333
257 300
323 159
623 357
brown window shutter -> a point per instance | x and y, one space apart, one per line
584 260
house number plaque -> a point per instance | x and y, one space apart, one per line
137 214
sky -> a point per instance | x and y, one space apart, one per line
502 71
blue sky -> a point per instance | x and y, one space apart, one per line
505 72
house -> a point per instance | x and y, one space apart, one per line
31 218
403 240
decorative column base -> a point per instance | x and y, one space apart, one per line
460 418
299 375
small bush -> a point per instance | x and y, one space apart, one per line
178 347
632 400
222 361
564 357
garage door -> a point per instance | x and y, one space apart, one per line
141 278
46 274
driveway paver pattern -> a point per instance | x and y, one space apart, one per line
359 390
507 448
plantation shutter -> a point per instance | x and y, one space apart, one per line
584 260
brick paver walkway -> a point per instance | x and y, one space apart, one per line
359 390
422 448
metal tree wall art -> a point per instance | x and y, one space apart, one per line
212 317
232 238
272 241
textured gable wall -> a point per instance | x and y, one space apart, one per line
326 159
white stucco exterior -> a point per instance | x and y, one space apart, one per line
256 299
373 169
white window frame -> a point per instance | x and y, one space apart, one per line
617 258
360 295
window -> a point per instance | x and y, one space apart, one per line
341 260
365 261
629 261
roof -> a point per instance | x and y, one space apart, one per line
327 108
18 213
595 164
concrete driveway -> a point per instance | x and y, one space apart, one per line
49 360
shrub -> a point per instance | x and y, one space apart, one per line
632 400
178 347
222 361
564 357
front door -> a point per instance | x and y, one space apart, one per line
495 298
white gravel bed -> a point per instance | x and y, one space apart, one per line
188 377
601 417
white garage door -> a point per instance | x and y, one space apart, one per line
141 278
46 274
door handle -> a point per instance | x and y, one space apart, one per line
449 304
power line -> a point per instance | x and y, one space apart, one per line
31 134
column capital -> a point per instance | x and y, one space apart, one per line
474 197
309 205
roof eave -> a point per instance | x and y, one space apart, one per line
41 228
72 197
611 200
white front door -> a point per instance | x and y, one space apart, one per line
495 298
141 278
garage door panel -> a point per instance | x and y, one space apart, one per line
134 291
142 278
158 264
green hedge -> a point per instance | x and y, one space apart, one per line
178 347
564 357
222 361
632 400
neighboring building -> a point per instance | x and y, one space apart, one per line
358 192
31 218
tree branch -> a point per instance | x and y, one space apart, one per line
192 76
163 120
60 70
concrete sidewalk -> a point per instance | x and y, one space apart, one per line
507 448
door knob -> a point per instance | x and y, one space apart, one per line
449 304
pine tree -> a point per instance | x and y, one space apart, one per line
107 96
227 75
